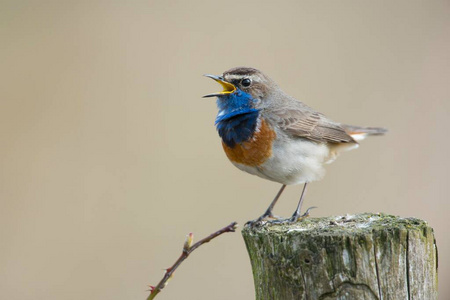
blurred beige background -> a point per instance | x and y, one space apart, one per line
109 155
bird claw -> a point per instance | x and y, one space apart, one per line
264 218
294 219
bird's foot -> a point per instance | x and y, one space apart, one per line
296 217
266 217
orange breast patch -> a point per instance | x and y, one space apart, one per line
255 151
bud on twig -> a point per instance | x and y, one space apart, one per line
188 242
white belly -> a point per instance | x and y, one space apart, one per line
296 162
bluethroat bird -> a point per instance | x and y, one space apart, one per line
267 133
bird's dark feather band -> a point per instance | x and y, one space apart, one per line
237 128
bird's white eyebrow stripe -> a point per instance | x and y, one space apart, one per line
252 77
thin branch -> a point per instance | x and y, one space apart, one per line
188 248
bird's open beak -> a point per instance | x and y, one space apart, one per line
228 88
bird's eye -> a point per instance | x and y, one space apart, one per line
246 82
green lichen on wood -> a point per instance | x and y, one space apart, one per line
365 256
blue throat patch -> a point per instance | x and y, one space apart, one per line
237 119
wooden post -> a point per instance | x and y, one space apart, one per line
365 256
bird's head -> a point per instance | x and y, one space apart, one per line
242 87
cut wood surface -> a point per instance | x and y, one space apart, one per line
365 256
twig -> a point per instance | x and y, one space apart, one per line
188 248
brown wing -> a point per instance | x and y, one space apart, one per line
306 123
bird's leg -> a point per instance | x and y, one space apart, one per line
296 216
268 213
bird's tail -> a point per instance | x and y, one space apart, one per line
359 133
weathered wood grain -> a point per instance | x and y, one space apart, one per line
365 256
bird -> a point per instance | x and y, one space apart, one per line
270 134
